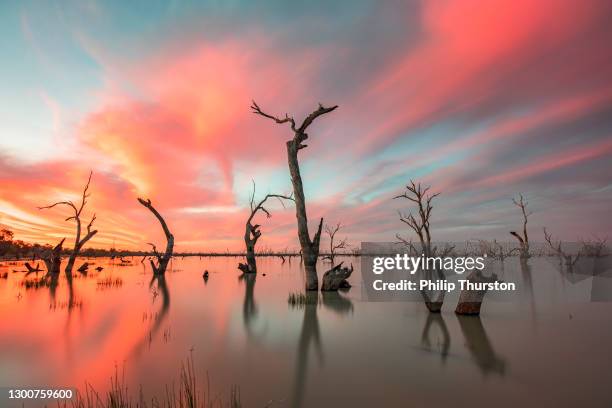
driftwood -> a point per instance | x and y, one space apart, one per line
470 300
162 259
336 278
524 238
79 241
310 246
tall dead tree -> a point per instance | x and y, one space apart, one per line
253 232
310 247
79 241
524 238
421 226
334 245
162 259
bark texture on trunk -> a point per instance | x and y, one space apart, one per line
162 259
310 247
336 278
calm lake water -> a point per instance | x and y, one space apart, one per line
551 348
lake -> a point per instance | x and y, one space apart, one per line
550 348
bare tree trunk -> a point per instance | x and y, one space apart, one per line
53 259
310 247
162 260
524 239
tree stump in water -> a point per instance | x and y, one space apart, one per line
83 268
244 268
470 300
336 278
53 259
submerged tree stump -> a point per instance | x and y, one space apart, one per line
336 278
53 259
470 300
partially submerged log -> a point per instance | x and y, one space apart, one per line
32 269
336 278
83 268
470 300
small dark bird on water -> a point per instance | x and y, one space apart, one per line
205 276
99 268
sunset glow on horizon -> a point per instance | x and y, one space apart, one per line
479 99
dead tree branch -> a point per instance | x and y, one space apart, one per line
162 260
557 247
334 246
79 241
420 224
253 232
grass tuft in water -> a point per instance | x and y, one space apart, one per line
190 394
301 299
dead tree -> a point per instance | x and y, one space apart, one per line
253 232
333 245
557 247
162 259
524 238
52 259
596 247
79 241
421 226
310 247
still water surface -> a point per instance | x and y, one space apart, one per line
552 348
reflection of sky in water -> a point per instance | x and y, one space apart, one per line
341 351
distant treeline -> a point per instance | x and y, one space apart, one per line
11 249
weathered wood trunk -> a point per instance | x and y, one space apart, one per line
53 259
336 278
162 260
310 248
470 301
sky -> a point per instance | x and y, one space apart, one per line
481 100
